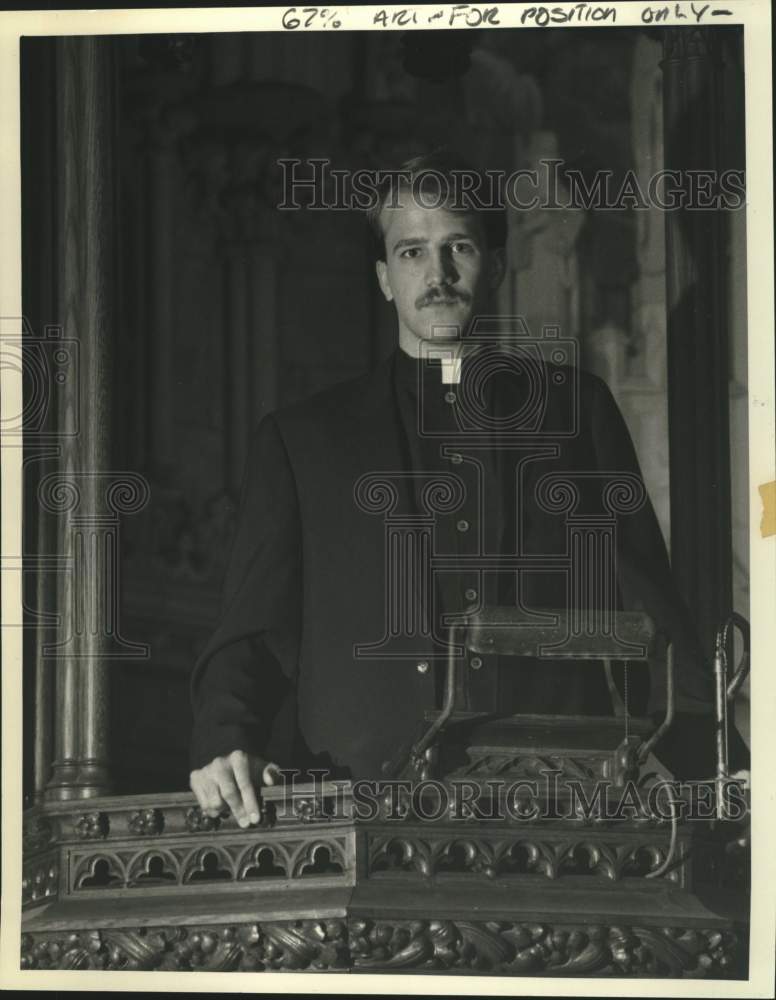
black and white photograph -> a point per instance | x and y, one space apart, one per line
389 499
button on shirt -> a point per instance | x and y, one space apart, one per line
433 426
439 439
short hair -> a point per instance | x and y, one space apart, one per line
441 173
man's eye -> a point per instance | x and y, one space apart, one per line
460 247
410 252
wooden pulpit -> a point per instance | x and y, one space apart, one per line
519 845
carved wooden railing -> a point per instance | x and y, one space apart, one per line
149 882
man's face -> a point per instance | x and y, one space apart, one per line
437 271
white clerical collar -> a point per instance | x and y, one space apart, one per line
443 363
449 360
451 370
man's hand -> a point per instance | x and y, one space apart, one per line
231 782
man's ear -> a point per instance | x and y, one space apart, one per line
498 266
381 269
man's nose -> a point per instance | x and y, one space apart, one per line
441 270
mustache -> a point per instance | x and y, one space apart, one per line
434 297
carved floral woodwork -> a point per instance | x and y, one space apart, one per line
505 948
40 880
315 887
511 766
91 826
198 822
146 822
291 945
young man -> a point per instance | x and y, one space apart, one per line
308 665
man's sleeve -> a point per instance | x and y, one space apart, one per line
646 583
242 685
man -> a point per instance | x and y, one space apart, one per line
297 672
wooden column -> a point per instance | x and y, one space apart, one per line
39 283
697 335
87 261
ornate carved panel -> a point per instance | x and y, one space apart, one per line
150 883
40 879
502 854
298 945
254 856
510 766
503 948
510 949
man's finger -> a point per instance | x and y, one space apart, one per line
242 773
231 794
207 794
271 773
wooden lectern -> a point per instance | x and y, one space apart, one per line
520 845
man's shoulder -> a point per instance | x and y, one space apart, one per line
569 394
331 413
590 389
336 400
591 383
585 381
